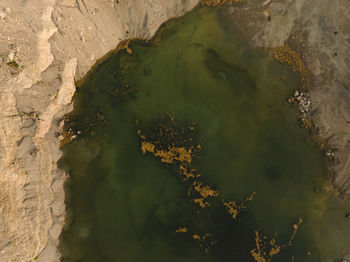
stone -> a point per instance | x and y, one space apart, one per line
11 55
2 15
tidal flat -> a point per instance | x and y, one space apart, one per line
188 151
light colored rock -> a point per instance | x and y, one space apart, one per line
2 14
11 56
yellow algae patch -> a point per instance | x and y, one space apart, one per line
250 198
124 45
168 156
196 237
234 209
204 241
205 192
286 55
187 174
182 230
214 3
274 250
260 253
257 252
265 250
201 202
295 230
147 147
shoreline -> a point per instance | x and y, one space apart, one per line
57 43
37 90
327 114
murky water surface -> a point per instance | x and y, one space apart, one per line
189 152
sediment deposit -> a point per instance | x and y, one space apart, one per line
45 46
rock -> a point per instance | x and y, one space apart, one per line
299 98
296 93
11 55
2 15
346 258
7 10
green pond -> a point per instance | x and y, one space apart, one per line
188 151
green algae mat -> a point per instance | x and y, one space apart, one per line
188 151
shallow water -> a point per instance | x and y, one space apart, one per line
198 78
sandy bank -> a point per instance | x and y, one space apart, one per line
45 46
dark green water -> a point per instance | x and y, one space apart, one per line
124 206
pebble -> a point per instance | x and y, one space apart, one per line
346 258
11 56
2 15
296 93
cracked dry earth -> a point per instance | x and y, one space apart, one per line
46 45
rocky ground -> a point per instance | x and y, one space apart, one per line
45 45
